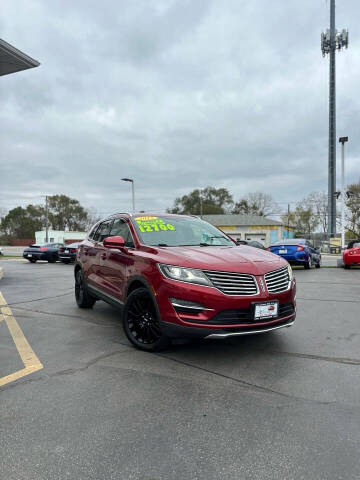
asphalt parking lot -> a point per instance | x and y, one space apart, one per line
77 401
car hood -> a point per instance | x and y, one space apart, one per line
230 259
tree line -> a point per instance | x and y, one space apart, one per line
63 213
306 216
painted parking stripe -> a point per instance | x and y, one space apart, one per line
30 360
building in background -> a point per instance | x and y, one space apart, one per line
251 227
59 236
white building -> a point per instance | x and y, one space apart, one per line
58 236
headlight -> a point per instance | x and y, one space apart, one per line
190 275
291 275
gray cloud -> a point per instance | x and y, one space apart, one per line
176 94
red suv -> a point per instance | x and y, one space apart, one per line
177 276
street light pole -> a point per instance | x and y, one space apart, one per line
132 191
343 140
47 219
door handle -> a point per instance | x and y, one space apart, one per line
103 256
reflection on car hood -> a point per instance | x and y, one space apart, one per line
230 259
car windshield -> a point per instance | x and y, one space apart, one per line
355 245
174 231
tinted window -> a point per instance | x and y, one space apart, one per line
103 231
92 231
291 241
121 229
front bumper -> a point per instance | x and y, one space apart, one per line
224 315
176 331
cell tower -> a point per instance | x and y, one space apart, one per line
331 41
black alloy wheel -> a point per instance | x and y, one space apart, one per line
141 322
82 296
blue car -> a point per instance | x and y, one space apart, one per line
297 251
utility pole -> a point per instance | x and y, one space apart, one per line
343 140
47 219
288 221
331 41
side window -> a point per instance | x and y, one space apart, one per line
92 231
103 231
121 228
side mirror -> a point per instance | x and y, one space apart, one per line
114 242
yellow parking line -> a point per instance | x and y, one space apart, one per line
30 360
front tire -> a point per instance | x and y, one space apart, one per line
82 296
141 322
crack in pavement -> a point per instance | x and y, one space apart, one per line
328 300
242 383
43 298
65 315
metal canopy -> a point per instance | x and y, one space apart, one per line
12 60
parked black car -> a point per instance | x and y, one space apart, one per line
48 251
67 253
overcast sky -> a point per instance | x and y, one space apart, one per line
177 94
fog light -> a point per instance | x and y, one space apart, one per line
186 306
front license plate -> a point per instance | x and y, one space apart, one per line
29 255
282 251
266 310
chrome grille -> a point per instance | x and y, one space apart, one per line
278 280
233 283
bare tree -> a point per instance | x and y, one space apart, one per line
257 203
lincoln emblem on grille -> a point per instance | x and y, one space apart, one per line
261 281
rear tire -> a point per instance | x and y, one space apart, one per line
141 322
82 296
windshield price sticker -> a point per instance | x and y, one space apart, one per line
153 224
